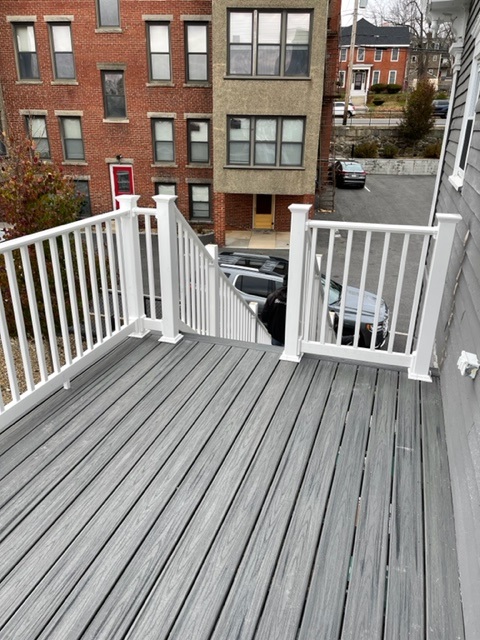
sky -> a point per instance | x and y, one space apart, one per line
347 10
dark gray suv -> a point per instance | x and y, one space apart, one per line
256 276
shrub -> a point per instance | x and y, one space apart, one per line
394 88
433 150
366 150
417 118
390 150
378 88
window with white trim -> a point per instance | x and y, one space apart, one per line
395 54
269 43
266 141
392 77
196 42
62 51
360 54
378 55
26 50
466 133
163 140
376 77
159 51
343 54
37 131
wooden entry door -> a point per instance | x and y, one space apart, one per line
263 208
121 176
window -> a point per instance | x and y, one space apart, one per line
341 78
159 51
395 53
269 43
72 139
376 77
467 126
165 188
26 52
378 55
108 13
114 94
82 190
199 201
163 140
260 141
360 54
254 286
198 141
196 40
343 54
392 77
37 130
62 51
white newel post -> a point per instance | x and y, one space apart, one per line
296 273
168 258
133 265
420 367
213 292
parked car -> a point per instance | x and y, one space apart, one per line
349 173
255 283
339 109
264 263
440 108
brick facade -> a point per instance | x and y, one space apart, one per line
130 139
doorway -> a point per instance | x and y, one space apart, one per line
263 208
121 180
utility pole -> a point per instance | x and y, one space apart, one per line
348 81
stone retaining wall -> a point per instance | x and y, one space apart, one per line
401 166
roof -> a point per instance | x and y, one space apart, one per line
369 34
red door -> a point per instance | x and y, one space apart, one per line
122 181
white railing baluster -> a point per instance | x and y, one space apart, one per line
181 275
102 265
213 285
72 294
381 282
112 262
19 320
59 291
33 308
8 354
361 292
417 294
93 284
52 336
83 289
328 276
398 292
343 299
150 274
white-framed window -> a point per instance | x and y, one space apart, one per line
37 131
395 54
266 141
159 51
269 43
378 55
341 78
62 51
343 54
163 140
196 43
466 132
108 13
26 50
392 77
376 77
360 54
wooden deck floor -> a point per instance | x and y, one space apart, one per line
211 491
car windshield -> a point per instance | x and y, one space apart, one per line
335 291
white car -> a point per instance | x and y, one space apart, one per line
339 109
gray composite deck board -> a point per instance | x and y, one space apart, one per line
206 490
443 610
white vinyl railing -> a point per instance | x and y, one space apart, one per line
383 300
71 293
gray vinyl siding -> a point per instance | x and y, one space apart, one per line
459 330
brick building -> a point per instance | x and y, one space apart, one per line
381 56
219 103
